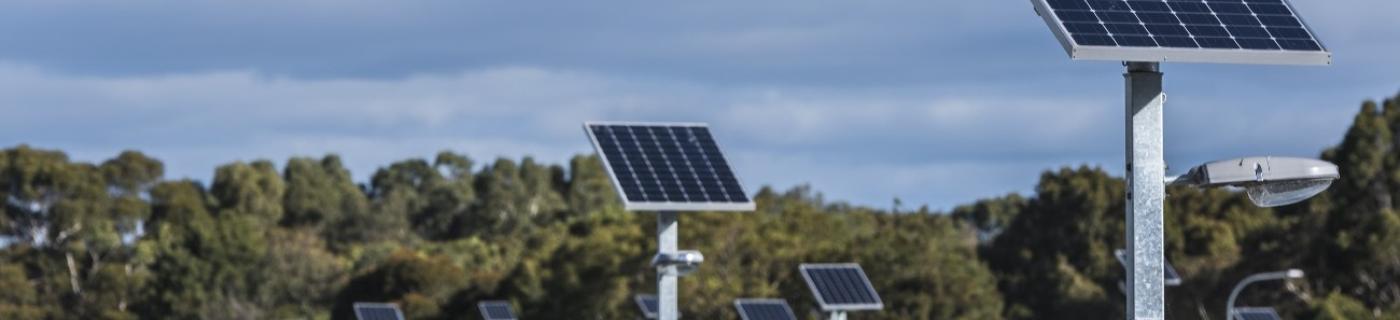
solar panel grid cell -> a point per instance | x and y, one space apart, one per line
841 287
1256 314
377 311
496 310
1226 24
1170 275
648 305
764 309
667 164
378 314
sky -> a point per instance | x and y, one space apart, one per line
934 102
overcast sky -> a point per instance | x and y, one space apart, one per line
936 102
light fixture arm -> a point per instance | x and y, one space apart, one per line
1267 276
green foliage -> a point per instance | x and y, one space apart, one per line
116 241
254 190
319 192
1337 306
421 284
18 300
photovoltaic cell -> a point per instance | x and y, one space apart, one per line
377 311
496 310
647 304
764 309
1256 314
668 167
1242 31
841 287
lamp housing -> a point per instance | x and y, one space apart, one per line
1269 181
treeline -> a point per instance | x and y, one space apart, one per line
116 240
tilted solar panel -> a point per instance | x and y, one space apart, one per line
1224 31
496 310
841 286
377 311
647 304
1171 277
764 309
1256 314
666 166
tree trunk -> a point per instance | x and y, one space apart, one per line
73 273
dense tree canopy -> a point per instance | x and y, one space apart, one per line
116 240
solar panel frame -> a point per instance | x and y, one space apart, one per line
1168 54
806 269
630 205
361 308
1256 313
649 311
485 307
744 314
1170 276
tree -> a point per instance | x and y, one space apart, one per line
300 276
18 300
1061 265
590 189
252 189
320 192
421 284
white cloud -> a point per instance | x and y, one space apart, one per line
922 95
197 121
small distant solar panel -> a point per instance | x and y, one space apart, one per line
841 286
1256 314
647 304
377 311
1226 31
1170 277
496 310
764 309
667 166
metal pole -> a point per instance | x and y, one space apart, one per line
1146 169
1280 275
1230 304
836 315
667 236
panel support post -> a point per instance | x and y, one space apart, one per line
667 236
836 315
1146 191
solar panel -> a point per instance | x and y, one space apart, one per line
377 311
841 286
764 309
1224 31
647 304
496 310
1171 277
1256 314
667 167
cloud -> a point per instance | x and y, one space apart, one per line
934 102
197 121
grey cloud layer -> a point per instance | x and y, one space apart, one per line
937 102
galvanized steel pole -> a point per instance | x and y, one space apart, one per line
1146 169
667 236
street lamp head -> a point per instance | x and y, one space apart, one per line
1269 181
680 263
1295 274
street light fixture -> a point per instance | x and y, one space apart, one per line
1267 276
1269 181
